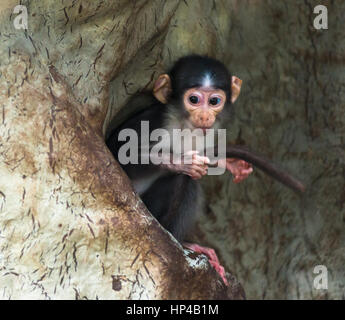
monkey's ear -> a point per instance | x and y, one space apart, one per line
162 88
236 84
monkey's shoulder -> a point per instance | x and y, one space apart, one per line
154 115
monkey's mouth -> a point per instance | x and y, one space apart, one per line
204 130
192 127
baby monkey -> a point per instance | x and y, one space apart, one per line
197 93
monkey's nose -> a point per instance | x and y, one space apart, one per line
204 117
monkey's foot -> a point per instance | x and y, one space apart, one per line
212 258
240 169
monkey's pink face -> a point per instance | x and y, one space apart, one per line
203 105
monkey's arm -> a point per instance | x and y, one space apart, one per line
261 162
190 164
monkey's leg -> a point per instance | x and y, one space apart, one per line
175 201
212 258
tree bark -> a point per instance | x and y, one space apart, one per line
71 225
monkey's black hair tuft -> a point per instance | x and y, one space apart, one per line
190 71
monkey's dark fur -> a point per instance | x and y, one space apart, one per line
189 71
174 199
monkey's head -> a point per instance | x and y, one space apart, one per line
202 86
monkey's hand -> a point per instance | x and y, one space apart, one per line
240 169
191 165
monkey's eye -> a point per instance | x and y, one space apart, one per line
214 101
194 99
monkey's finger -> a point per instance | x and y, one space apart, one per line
237 179
188 157
201 160
195 175
231 160
246 172
194 171
245 164
191 153
242 176
239 162
197 171
202 169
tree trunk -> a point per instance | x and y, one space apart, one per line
70 224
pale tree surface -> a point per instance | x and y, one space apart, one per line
71 226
